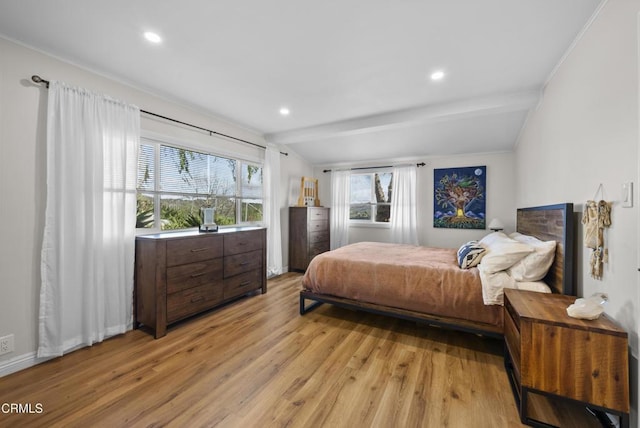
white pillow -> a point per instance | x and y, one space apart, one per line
534 266
502 252
492 238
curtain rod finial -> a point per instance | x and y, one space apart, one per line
37 79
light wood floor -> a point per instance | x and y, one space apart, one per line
257 362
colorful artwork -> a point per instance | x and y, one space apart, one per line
459 197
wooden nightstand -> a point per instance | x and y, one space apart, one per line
554 360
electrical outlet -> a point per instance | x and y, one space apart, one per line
6 344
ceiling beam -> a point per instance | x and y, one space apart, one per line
474 107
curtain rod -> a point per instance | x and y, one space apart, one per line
419 164
37 79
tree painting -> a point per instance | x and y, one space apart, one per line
459 197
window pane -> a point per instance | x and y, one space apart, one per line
186 171
184 181
251 181
223 176
383 213
179 212
144 212
360 188
225 211
146 170
383 186
360 212
182 170
371 197
251 210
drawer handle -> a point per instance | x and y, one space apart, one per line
195 275
242 284
244 263
197 250
197 299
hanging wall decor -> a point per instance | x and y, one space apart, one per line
596 218
459 197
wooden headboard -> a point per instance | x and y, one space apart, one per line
553 222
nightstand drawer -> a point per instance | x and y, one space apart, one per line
512 339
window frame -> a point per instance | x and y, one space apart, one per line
156 141
374 205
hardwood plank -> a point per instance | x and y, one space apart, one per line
257 362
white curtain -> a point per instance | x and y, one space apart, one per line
340 199
88 246
271 216
404 229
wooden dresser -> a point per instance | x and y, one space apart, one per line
554 360
180 274
308 235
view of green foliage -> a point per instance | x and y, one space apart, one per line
184 211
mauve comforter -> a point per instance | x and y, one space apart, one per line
421 279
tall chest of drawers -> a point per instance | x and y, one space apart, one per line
180 274
308 235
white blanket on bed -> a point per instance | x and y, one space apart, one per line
494 283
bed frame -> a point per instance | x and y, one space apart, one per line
549 222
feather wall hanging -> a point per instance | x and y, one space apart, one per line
596 218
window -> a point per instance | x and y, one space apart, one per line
174 183
371 197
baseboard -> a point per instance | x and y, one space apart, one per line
20 362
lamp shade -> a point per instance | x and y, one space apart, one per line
496 225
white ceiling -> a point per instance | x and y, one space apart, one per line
355 74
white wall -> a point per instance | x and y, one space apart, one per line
500 199
22 175
585 133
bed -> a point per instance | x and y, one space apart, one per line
444 295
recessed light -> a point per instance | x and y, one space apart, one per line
152 37
437 75
284 111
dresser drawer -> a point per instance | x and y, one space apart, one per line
240 263
318 248
243 283
318 226
193 300
314 214
242 242
181 251
193 274
319 236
